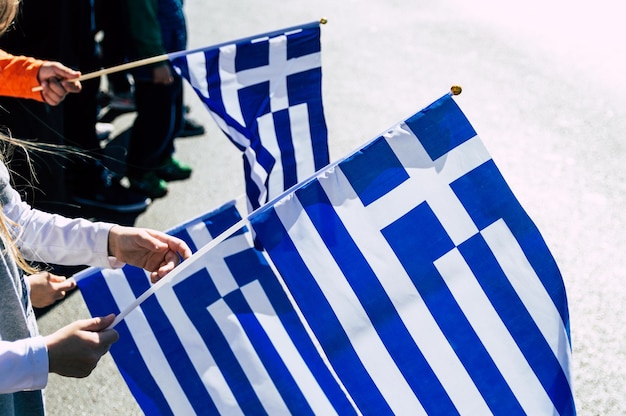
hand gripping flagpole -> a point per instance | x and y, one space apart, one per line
178 270
173 55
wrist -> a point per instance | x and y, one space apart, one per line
112 241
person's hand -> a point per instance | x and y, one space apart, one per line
57 81
154 251
162 74
46 288
74 350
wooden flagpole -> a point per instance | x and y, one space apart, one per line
117 68
159 58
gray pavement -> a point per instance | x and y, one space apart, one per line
541 86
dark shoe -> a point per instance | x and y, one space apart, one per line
111 195
190 128
174 170
148 184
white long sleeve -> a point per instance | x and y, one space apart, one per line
52 238
23 365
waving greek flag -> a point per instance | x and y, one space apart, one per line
265 93
425 282
404 279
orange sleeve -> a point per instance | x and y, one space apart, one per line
18 76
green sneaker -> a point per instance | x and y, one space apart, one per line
173 170
148 184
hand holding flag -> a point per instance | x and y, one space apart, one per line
151 250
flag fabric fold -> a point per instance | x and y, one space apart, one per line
265 93
403 279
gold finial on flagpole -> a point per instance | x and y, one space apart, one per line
456 89
323 21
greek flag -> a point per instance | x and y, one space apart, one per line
426 284
404 279
265 93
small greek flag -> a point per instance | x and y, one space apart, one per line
223 338
265 93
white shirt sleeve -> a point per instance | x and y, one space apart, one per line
52 238
23 365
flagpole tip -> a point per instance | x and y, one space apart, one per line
456 89
323 21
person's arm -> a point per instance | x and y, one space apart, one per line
20 76
145 29
26 361
55 239
72 351
52 238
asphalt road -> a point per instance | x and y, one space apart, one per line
542 83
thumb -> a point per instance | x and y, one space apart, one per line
98 324
64 72
64 285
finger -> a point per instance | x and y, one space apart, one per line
169 263
97 324
51 99
108 337
54 85
155 240
53 92
56 278
65 285
180 247
64 72
166 268
154 277
72 86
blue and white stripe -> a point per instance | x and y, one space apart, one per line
265 94
425 282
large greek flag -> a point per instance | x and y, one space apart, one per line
404 279
426 284
265 93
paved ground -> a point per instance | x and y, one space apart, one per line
541 86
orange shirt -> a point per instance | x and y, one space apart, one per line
18 76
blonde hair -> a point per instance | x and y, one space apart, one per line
9 228
8 11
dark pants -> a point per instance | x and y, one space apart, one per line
159 119
39 177
111 18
